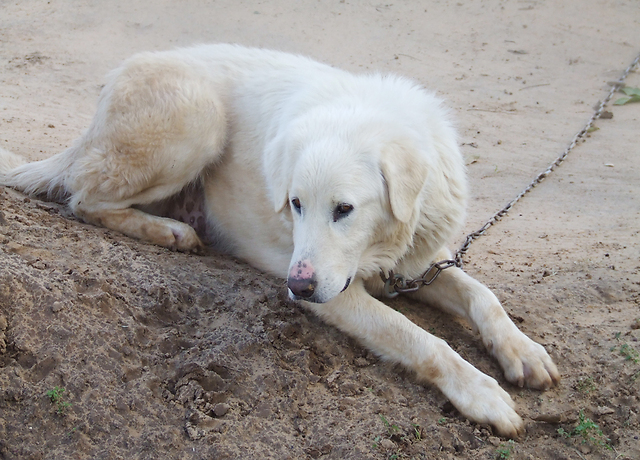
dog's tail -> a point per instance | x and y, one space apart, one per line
44 178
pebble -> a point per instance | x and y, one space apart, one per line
603 410
494 441
585 449
387 444
221 409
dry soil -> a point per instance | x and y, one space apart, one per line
172 356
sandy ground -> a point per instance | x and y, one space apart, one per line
167 355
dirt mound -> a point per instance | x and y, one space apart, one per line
116 349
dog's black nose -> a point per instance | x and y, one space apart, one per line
302 287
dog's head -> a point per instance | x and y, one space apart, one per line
345 181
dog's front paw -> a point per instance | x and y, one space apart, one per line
482 400
525 362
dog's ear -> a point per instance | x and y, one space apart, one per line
278 169
405 172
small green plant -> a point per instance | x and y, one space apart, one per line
632 95
588 431
626 350
630 353
55 396
391 428
417 431
586 385
376 442
72 431
503 452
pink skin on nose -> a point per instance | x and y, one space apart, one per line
302 270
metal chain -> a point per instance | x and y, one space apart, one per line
396 284
540 177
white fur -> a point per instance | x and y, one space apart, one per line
261 128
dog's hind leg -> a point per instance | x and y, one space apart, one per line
141 225
160 124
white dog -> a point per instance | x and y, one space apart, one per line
309 173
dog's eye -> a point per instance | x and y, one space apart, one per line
295 202
342 210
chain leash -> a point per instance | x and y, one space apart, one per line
540 177
396 284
